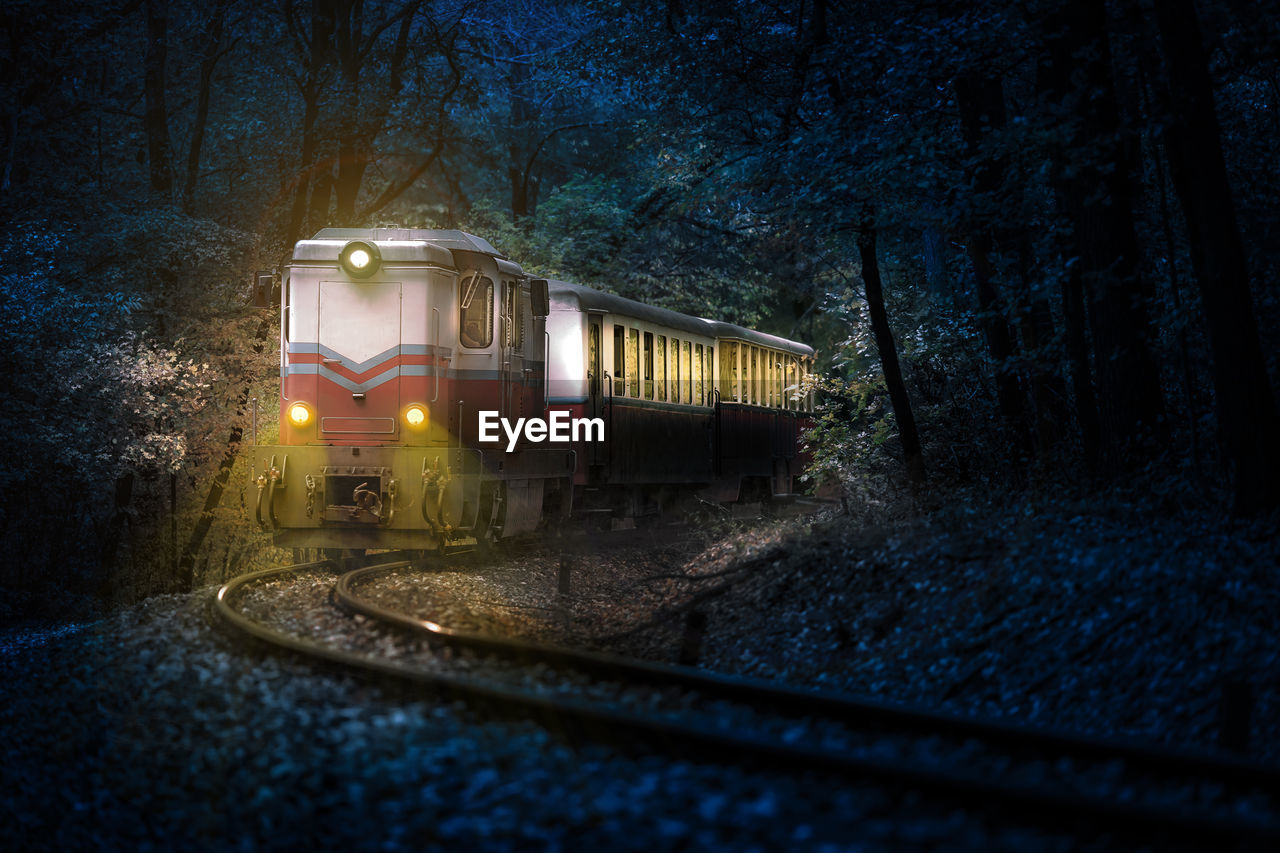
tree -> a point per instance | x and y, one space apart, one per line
1245 405
156 117
1094 184
912 454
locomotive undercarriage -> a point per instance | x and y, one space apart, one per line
370 497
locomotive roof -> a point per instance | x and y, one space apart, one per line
431 245
445 238
589 299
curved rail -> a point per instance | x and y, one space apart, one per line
852 710
577 718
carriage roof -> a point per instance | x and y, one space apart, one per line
589 299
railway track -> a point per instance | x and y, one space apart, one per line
1072 783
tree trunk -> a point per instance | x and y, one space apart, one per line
981 104
320 47
187 563
1037 331
1245 404
912 454
155 117
1096 193
208 62
1086 399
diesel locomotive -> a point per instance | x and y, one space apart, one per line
434 395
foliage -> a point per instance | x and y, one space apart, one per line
721 159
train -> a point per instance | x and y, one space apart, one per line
434 396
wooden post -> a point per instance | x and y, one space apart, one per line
566 567
1235 708
695 628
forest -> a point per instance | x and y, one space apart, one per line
1034 243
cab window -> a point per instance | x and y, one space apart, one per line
475 311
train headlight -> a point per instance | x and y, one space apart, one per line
299 414
360 259
416 416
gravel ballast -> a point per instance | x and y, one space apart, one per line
149 729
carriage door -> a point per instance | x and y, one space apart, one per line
359 348
595 385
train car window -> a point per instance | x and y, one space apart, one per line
739 369
765 379
593 358
475 311
675 370
807 366
708 375
648 365
776 360
762 377
686 370
698 398
766 376
633 363
619 364
759 376
660 368
791 390
728 358
753 378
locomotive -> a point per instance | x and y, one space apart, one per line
433 395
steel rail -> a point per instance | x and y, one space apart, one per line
1049 743
575 717
842 707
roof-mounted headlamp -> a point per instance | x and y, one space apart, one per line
360 259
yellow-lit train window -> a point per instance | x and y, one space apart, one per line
728 360
763 377
686 370
709 374
775 381
675 371
791 379
778 382
593 358
660 368
698 397
633 362
648 365
619 363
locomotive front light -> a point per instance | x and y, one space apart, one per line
360 259
415 416
299 414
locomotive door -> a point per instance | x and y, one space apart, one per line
359 349
595 385
511 353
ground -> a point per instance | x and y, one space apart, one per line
146 728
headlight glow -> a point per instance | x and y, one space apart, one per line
415 416
360 259
299 414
